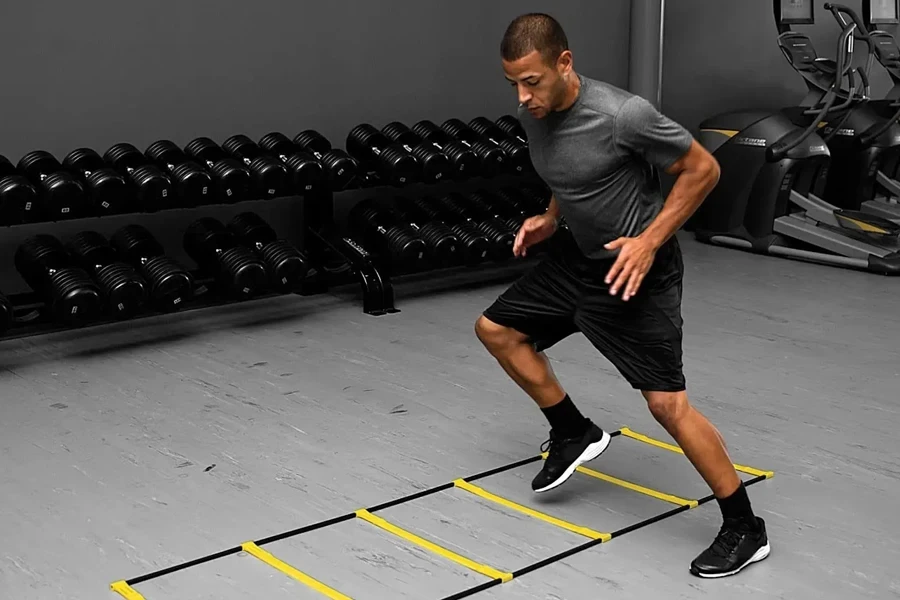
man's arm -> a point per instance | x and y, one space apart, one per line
553 209
642 131
697 174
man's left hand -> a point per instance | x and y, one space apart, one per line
634 261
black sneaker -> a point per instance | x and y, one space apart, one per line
736 546
566 455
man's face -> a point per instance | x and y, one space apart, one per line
541 87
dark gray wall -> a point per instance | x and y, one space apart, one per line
105 72
722 56
98 73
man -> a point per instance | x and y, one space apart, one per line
618 280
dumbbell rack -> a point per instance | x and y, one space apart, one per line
337 259
359 264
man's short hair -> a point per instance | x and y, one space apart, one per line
534 31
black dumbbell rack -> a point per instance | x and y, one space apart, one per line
337 258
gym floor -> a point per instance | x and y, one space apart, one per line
131 448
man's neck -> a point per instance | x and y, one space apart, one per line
573 88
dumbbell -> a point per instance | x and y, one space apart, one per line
457 129
237 270
153 190
107 191
391 161
462 161
46 267
537 195
233 178
491 159
61 195
511 199
306 174
475 245
340 166
193 184
513 128
7 313
170 284
286 265
499 234
525 204
435 165
517 151
444 247
485 204
123 288
399 243
270 175
18 197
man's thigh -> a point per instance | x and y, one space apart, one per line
642 337
541 304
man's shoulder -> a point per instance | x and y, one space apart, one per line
603 97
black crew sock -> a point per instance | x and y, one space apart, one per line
737 507
565 418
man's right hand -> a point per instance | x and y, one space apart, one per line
534 231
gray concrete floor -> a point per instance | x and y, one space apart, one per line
131 448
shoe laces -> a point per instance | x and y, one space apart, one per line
727 540
553 445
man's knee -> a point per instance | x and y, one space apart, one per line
496 338
667 407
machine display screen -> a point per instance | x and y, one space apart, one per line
883 11
797 12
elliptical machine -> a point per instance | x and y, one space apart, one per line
883 197
774 173
865 140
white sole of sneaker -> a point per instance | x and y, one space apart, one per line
758 556
590 453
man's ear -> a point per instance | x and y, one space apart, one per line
564 62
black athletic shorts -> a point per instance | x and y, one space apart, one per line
566 293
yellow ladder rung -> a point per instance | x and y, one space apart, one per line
431 546
590 533
634 487
125 590
672 448
252 549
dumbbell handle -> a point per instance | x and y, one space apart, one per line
520 138
491 139
86 173
439 146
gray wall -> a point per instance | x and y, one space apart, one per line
722 56
105 72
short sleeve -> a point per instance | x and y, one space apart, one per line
643 131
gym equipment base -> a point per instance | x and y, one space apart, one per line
496 577
33 317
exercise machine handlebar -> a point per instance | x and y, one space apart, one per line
779 149
838 10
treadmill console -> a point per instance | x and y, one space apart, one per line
799 51
794 12
886 48
875 14
881 12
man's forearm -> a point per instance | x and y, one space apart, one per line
553 209
688 193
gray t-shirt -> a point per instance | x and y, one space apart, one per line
602 157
